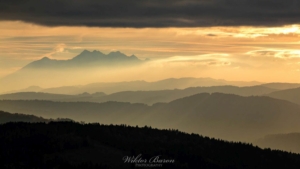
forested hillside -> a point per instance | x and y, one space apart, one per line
74 145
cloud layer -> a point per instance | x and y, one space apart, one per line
152 13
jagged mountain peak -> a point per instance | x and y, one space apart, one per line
45 58
86 53
86 58
117 54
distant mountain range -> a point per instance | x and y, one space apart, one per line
218 115
113 87
147 97
85 59
281 86
85 66
166 84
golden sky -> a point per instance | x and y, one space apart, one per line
233 53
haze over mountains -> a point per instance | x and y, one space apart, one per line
194 84
231 110
92 67
86 59
281 86
83 67
113 87
218 115
193 109
147 97
92 92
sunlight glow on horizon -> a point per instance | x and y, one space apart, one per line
255 52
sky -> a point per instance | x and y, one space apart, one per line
244 40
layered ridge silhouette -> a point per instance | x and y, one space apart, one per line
218 115
147 97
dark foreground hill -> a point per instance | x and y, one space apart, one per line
74 145
8 117
225 116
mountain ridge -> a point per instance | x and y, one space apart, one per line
85 58
6 117
292 95
87 66
225 116
146 97
141 85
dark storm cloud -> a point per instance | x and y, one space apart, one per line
152 13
